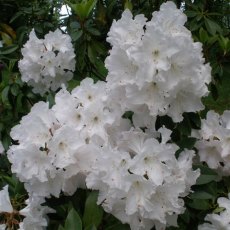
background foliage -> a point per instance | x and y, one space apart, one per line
87 23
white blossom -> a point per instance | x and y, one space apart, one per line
5 204
47 63
214 141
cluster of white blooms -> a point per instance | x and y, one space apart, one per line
82 142
214 141
220 221
85 141
157 64
57 147
141 182
47 63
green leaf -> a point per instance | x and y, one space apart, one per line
201 195
15 89
128 5
73 221
5 93
72 84
191 14
187 142
91 227
18 14
8 49
84 8
61 227
199 204
218 210
91 54
212 26
195 120
76 34
19 103
203 35
93 31
205 179
205 169
93 213
89 6
214 91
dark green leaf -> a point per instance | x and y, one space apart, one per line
91 227
205 179
93 213
73 221
199 204
15 89
187 142
191 14
8 49
212 26
75 35
201 195
214 91
5 93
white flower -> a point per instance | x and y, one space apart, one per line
156 70
88 92
35 214
143 177
2 149
126 31
3 227
170 19
47 63
214 144
5 204
30 158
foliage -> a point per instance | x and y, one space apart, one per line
88 23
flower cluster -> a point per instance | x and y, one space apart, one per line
149 63
81 142
85 141
214 141
47 63
220 221
141 182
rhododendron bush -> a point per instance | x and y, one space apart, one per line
135 150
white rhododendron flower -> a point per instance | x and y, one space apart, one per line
218 221
5 204
141 182
214 141
127 31
47 63
35 214
155 69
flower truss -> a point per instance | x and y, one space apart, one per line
150 65
84 141
47 63
214 141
